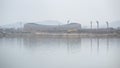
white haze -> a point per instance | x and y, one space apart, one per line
80 11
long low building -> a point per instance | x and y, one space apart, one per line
66 28
32 27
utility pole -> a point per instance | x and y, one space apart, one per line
21 26
97 24
68 21
107 24
91 27
91 24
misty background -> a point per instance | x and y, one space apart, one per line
59 11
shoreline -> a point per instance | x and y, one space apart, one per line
72 35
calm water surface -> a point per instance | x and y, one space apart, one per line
54 52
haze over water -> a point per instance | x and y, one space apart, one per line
58 52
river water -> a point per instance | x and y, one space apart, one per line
57 52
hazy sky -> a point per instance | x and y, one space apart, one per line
81 11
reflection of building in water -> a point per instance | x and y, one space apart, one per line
68 44
73 44
98 44
91 44
52 43
31 42
107 44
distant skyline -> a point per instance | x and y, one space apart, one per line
80 11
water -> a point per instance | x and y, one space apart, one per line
47 52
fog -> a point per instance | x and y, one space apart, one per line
81 11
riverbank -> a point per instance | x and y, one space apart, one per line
72 35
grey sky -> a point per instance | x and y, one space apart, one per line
81 11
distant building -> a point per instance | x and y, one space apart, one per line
32 27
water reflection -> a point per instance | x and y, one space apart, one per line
107 44
91 44
71 45
98 44
59 52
